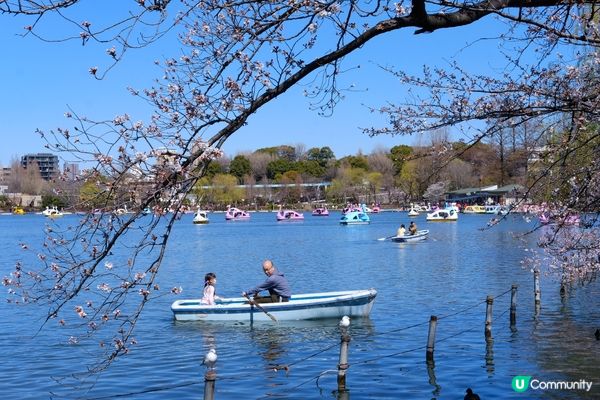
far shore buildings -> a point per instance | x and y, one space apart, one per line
506 195
46 162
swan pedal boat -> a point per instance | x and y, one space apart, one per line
200 217
235 214
320 212
420 235
353 303
446 214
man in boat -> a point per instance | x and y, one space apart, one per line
412 228
276 284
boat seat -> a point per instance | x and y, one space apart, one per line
270 299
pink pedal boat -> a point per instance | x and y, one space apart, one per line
289 215
235 214
320 212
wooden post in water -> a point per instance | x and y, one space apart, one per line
209 384
513 305
488 316
431 338
536 288
343 362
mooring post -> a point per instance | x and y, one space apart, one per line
431 338
488 316
343 362
489 355
536 288
209 384
513 305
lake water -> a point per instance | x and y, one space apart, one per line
448 275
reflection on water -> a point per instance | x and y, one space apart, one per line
432 379
454 269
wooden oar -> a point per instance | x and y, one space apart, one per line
386 238
255 304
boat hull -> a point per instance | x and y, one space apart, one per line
355 303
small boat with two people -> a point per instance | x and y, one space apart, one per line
200 217
235 214
353 303
289 215
356 217
320 212
443 214
417 237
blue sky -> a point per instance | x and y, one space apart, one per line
42 80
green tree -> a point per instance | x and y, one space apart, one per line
240 167
358 161
312 168
321 155
49 200
94 194
283 151
213 169
225 190
399 155
279 167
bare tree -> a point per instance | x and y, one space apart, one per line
259 162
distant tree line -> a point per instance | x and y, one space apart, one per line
397 176
402 174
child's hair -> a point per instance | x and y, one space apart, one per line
208 277
402 226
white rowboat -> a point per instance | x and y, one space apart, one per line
353 303
420 235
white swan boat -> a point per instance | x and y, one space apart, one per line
200 217
413 212
52 212
353 303
445 214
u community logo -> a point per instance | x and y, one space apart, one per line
520 383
